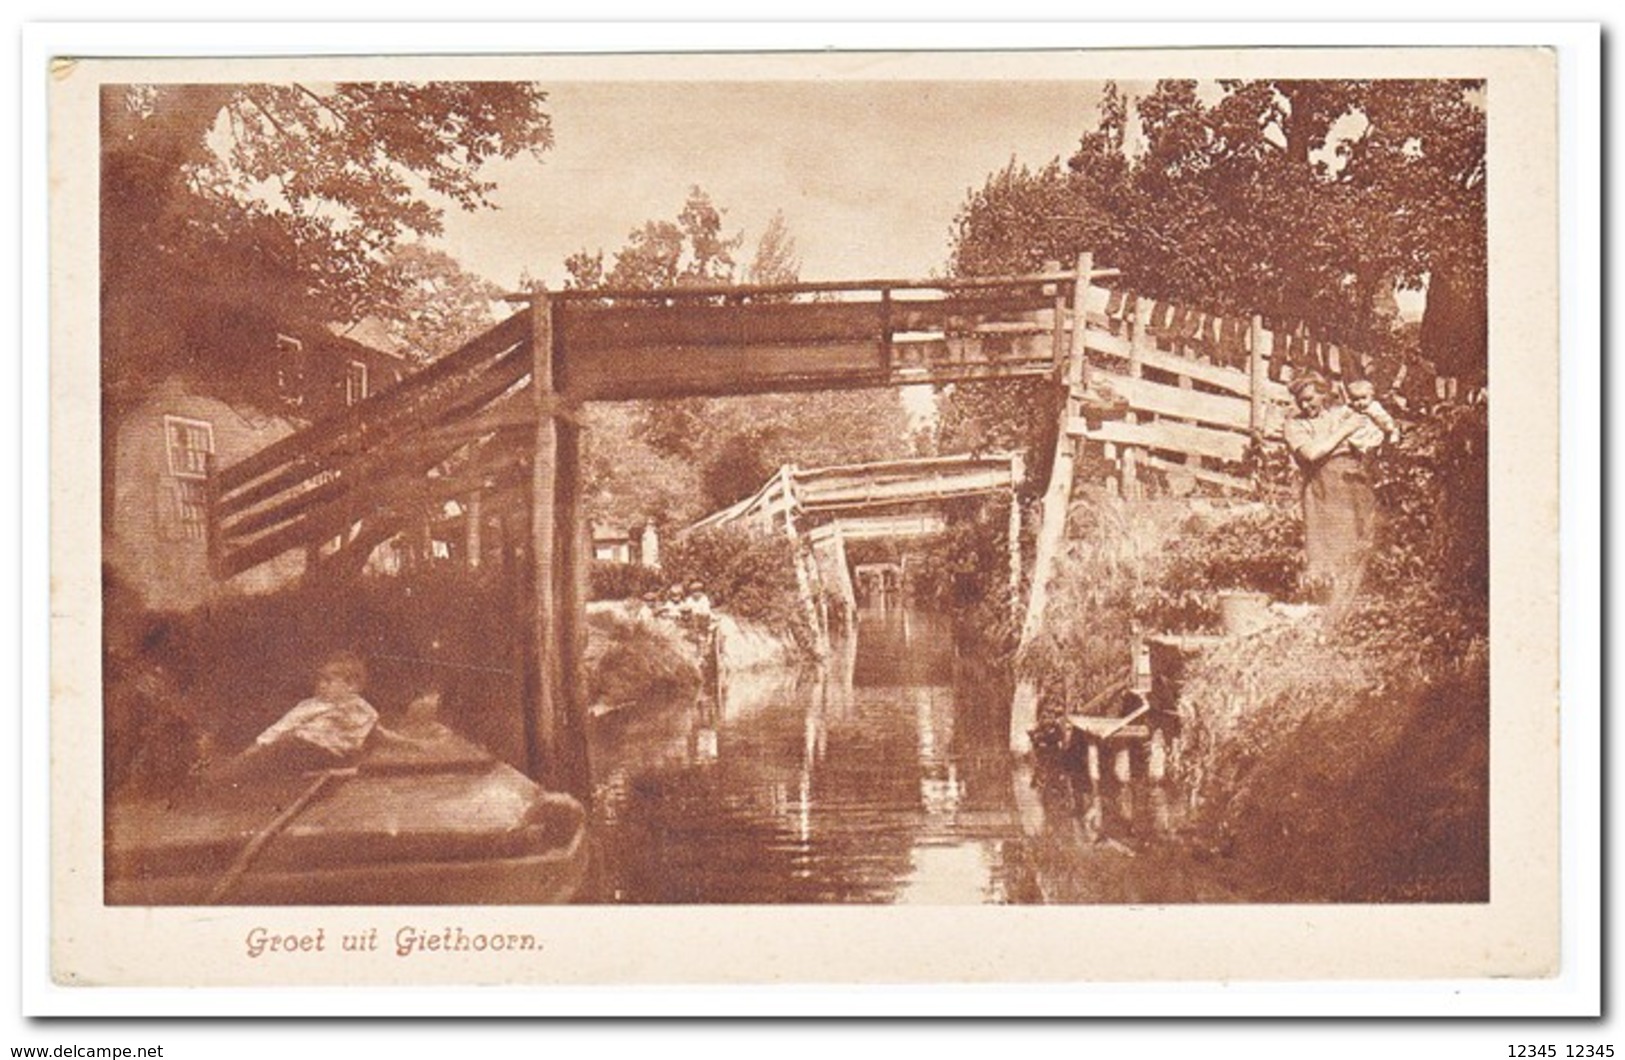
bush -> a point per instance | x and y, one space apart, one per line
965 572
1152 566
1325 770
1113 554
1258 549
631 662
751 573
624 581
1429 577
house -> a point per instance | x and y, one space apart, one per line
320 374
166 443
615 544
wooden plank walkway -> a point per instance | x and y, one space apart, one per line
1092 727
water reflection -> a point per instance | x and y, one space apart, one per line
881 776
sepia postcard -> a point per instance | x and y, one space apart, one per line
1051 516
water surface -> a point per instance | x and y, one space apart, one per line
880 777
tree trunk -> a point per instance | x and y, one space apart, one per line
1455 326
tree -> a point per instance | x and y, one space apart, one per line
1021 218
689 251
1307 200
728 445
776 260
231 211
1304 200
628 480
440 306
279 201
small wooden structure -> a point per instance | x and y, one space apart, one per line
852 492
1119 748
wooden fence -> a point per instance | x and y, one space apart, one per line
1196 389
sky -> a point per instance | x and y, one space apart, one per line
869 175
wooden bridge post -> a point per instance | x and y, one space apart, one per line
555 730
1058 333
1256 375
473 527
1018 474
1137 339
806 581
1057 499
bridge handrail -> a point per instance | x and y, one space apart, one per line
737 290
965 460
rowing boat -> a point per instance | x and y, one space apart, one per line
443 823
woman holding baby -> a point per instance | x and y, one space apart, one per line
1330 444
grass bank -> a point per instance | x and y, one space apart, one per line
1324 761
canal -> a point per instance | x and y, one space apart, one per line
878 777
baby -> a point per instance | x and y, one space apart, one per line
1381 427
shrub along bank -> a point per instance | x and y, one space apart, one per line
750 573
964 572
1325 761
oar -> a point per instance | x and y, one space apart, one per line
269 832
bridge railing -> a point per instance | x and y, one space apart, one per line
448 430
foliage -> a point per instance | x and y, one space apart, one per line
282 201
1427 596
676 461
1010 415
964 571
1111 561
1329 759
683 458
749 572
741 464
1299 199
440 306
612 580
628 480
689 251
775 260
1325 770
1258 549
631 662
1021 218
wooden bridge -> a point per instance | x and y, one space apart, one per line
497 422
849 489
865 502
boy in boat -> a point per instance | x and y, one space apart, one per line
326 731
